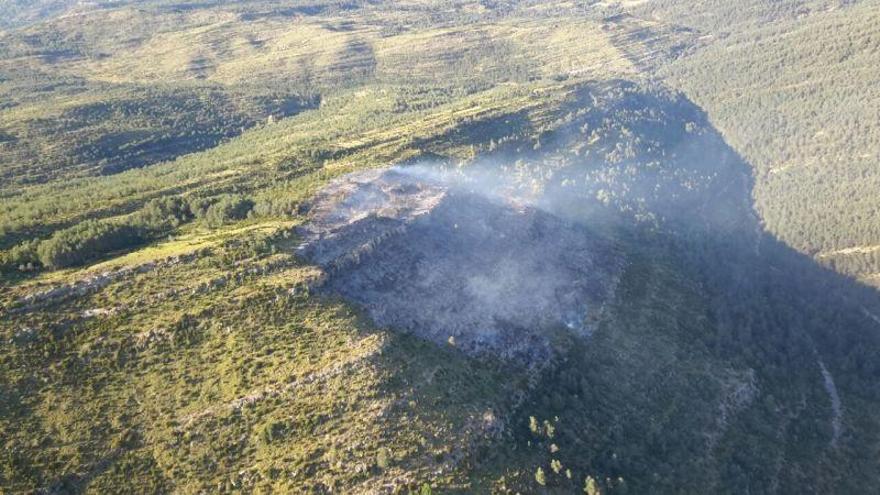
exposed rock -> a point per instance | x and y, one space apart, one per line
79 288
96 282
151 337
95 312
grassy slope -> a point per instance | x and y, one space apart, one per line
14 13
205 384
184 80
213 376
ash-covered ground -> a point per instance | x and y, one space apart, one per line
454 260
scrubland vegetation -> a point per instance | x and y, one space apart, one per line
160 335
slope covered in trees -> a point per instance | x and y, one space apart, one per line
799 99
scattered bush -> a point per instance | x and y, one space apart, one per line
383 458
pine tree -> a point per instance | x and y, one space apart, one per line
533 425
590 486
540 478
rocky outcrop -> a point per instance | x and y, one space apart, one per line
93 283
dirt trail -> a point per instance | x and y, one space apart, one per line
836 405
871 315
850 251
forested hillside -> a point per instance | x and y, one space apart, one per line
799 99
21 12
164 328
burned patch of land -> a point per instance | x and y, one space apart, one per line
453 263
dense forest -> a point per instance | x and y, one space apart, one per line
797 101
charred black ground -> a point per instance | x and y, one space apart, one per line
457 265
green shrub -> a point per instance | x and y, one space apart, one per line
383 458
163 213
23 256
273 431
228 208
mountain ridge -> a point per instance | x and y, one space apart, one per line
206 351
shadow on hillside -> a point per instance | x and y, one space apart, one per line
658 165
810 335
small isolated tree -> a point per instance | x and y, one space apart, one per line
549 429
383 458
533 425
591 487
540 477
272 432
556 466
